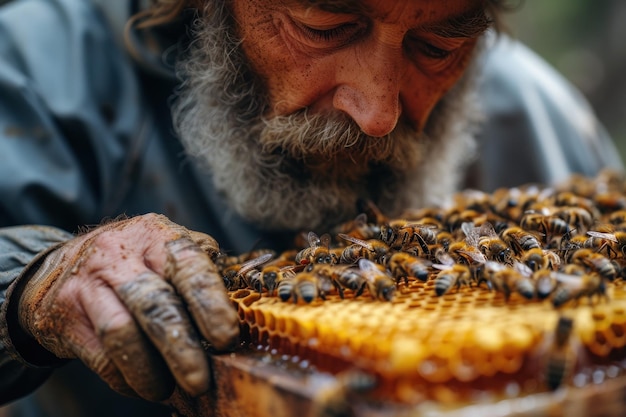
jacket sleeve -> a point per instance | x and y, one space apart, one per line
538 127
69 122
20 248
70 113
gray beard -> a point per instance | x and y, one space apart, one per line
307 171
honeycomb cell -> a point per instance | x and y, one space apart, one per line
471 341
617 335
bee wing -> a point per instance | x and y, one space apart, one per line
472 233
444 258
356 240
253 263
487 229
493 266
420 225
367 266
313 239
476 255
441 267
290 270
522 268
324 240
600 235
568 279
360 220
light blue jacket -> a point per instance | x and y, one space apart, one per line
85 134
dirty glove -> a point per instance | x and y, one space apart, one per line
126 299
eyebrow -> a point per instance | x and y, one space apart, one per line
336 6
465 25
469 24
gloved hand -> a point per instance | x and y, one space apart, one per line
126 299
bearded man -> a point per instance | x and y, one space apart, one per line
287 112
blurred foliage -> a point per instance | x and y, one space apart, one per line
584 40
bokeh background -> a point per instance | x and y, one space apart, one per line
586 41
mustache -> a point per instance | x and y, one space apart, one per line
334 135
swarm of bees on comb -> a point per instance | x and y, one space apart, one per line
514 292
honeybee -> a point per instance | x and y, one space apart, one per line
595 262
399 234
456 219
343 276
571 199
433 215
577 217
402 266
611 201
270 276
613 243
285 287
234 276
620 267
451 274
561 354
307 286
473 199
373 249
569 245
489 243
444 239
507 279
520 240
545 283
538 258
507 202
466 254
618 217
223 261
318 251
548 226
572 287
380 285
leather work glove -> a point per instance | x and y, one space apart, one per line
126 299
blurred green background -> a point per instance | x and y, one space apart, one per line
586 41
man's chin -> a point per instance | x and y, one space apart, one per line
312 205
339 169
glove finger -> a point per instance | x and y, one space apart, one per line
126 346
162 316
195 277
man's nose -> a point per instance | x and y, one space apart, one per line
369 88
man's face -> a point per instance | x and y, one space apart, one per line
374 60
299 108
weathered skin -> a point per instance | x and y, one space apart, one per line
126 299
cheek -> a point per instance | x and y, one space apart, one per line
292 78
419 99
423 90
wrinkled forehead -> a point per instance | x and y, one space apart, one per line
372 6
466 17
